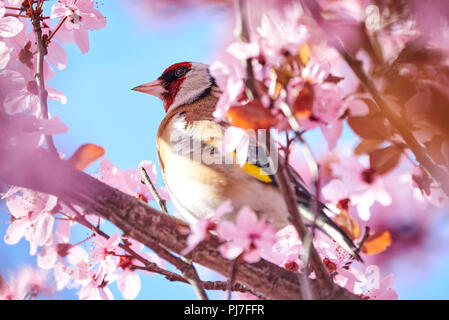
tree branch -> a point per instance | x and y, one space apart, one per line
45 173
281 175
147 181
39 76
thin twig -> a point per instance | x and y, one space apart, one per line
147 181
39 76
313 168
13 8
365 236
242 31
297 222
231 278
281 175
189 273
60 24
208 285
15 15
437 174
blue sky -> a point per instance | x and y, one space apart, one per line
102 109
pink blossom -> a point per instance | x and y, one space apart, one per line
32 217
200 229
93 292
129 181
28 283
246 236
54 251
243 51
327 107
229 79
128 281
105 256
4 55
281 32
363 186
385 291
129 284
81 16
9 26
22 92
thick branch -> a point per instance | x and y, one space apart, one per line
45 173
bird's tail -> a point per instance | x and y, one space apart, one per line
324 223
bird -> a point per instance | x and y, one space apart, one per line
198 185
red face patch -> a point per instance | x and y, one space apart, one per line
171 79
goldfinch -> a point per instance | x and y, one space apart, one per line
197 185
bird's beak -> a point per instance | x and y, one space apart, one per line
154 88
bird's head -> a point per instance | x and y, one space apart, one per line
181 83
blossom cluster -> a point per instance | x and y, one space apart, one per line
375 190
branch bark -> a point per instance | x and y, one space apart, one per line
45 173
39 75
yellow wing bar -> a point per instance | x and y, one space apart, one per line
256 172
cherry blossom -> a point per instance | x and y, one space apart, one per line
247 236
281 32
28 283
23 92
228 78
129 181
128 281
79 17
361 185
32 212
9 26
403 53
200 229
104 256
93 292
4 55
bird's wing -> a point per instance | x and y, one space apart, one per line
258 166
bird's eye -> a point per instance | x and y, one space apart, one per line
180 71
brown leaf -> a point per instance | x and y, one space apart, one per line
85 155
366 146
386 159
377 243
418 53
372 126
252 115
302 107
348 224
